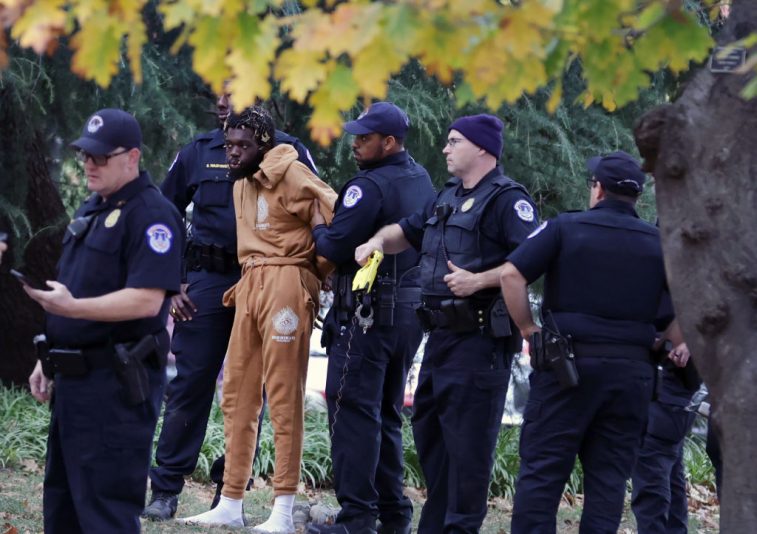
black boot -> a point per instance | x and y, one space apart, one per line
341 528
162 506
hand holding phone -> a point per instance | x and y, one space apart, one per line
21 277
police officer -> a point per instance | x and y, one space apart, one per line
604 277
367 370
478 219
199 175
106 318
659 500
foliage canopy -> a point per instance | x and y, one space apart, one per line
332 53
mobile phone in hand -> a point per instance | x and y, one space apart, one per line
21 277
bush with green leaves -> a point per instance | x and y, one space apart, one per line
24 423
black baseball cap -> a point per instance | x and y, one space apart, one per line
108 129
381 117
618 172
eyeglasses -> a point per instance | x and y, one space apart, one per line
452 142
99 160
590 182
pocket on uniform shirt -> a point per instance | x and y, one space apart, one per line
104 240
213 192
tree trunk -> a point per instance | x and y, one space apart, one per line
20 317
702 151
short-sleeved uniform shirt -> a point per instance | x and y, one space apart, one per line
134 239
604 273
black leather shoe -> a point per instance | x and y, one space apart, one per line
162 506
394 529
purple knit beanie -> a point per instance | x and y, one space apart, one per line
483 130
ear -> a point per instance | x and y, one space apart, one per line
133 155
600 190
390 142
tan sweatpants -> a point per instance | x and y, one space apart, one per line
269 344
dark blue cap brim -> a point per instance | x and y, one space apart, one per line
96 148
355 128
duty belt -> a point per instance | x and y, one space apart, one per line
211 258
466 315
77 362
612 350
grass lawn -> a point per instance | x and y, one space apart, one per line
21 507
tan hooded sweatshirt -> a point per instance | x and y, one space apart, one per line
274 209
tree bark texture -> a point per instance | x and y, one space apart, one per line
24 155
702 151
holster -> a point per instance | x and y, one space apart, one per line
552 351
43 355
130 366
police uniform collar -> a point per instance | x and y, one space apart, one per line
392 159
123 195
489 176
617 205
216 138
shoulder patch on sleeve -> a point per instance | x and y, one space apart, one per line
542 226
352 196
524 210
159 237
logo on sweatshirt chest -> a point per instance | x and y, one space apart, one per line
262 217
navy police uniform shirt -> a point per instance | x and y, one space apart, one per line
362 208
199 174
508 218
604 273
134 239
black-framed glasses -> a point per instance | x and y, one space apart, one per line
452 142
99 160
590 182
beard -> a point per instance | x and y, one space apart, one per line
246 171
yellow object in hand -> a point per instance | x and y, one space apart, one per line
365 277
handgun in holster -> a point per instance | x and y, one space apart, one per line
553 351
131 369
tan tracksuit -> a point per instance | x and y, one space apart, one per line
276 301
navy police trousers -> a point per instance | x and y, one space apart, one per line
365 392
601 421
659 485
98 453
457 415
200 347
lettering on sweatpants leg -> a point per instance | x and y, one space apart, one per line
285 323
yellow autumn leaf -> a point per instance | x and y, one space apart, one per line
375 64
300 71
522 31
253 51
97 48
311 31
210 39
135 40
353 26
177 13
325 125
555 97
40 23
442 45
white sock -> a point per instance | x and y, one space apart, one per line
228 513
280 521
